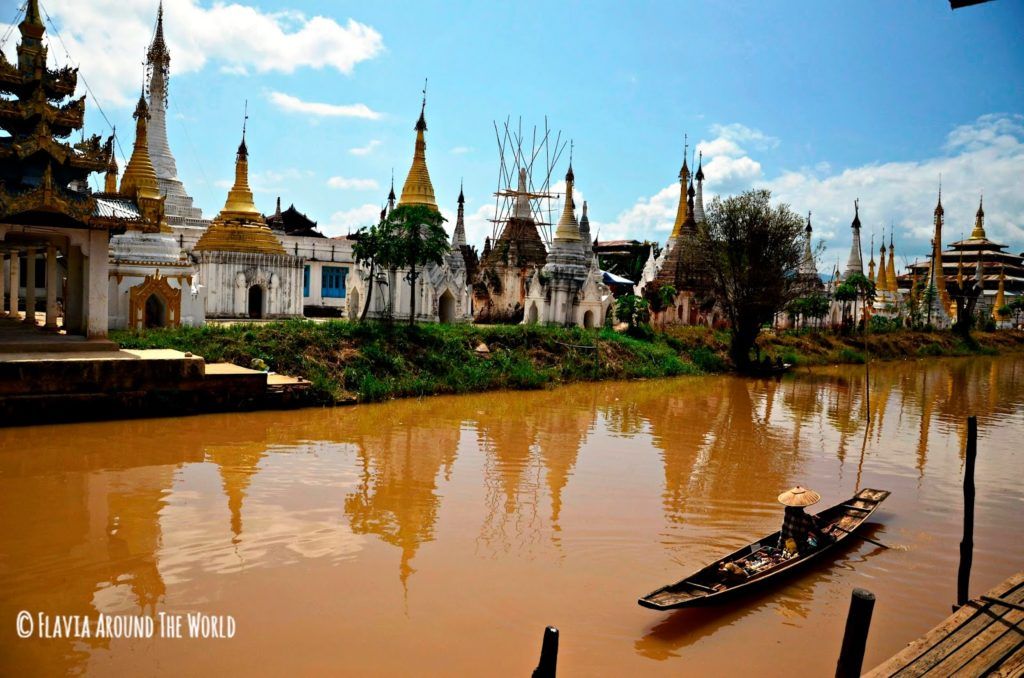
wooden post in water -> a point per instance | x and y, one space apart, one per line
963 579
548 654
855 638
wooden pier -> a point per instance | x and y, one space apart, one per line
984 637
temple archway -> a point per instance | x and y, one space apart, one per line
155 312
255 301
588 320
446 307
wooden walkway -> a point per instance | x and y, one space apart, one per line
983 638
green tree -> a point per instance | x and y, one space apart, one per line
419 240
635 312
375 246
754 251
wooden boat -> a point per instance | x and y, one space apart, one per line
751 567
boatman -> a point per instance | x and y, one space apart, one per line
797 526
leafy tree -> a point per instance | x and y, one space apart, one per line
635 312
863 291
374 245
754 252
419 240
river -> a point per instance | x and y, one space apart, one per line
440 536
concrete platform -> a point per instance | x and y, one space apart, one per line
17 337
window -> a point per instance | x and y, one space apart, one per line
333 282
305 281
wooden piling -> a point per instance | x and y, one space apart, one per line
963 579
855 638
548 654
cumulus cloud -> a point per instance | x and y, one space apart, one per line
348 221
367 149
461 150
287 102
347 183
984 156
106 38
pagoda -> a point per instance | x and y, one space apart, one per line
681 265
45 204
247 271
184 219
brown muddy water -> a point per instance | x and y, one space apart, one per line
439 537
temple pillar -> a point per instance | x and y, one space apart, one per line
73 300
30 285
51 287
15 272
3 284
96 313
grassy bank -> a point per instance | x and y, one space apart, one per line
374 361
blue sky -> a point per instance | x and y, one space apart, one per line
821 102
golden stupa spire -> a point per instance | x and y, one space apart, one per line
979 222
417 189
240 227
960 271
893 283
139 180
871 262
568 229
110 181
684 177
882 282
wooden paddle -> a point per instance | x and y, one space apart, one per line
851 532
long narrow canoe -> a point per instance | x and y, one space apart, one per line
758 563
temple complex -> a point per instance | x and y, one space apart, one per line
247 271
45 207
185 220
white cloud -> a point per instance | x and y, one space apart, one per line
271 181
350 184
984 156
348 221
106 37
287 102
461 150
367 149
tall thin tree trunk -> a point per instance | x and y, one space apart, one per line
412 296
369 292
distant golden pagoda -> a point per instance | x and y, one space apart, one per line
240 227
417 189
139 179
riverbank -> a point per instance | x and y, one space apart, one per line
365 362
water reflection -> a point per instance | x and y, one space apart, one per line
617 487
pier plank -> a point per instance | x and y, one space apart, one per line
978 638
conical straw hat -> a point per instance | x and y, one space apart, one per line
799 496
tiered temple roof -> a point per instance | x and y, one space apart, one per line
292 222
38 168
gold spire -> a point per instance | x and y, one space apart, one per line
240 227
893 283
882 282
568 229
1000 299
684 177
979 222
938 271
871 262
139 178
110 181
417 189
960 271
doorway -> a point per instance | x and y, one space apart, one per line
255 301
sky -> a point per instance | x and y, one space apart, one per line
822 103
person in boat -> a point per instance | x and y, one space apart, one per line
797 525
